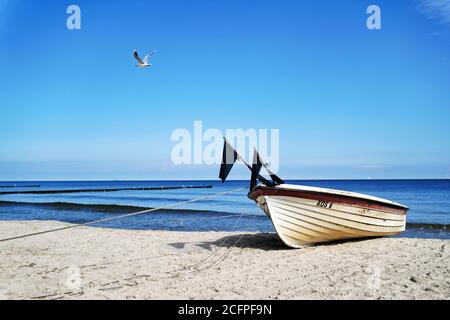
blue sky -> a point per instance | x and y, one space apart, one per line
349 102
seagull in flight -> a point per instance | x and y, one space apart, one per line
142 63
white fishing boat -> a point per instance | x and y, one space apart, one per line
303 215
307 215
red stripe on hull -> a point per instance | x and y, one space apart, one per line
321 196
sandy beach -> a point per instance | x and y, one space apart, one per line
97 263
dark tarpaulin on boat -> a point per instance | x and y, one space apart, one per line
229 158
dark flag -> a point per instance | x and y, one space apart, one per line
229 158
273 176
256 168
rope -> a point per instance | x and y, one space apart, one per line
208 264
122 216
206 218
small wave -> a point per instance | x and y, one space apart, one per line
142 199
433 226
103 208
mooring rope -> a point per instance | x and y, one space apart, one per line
122 216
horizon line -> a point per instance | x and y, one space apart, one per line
218 180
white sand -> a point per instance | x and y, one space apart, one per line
124 264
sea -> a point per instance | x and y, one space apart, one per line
428 200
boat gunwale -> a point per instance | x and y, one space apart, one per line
331 195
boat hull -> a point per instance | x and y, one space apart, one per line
301 218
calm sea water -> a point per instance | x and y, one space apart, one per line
428 200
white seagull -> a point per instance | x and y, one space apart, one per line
142 63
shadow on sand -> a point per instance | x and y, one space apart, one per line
262 241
